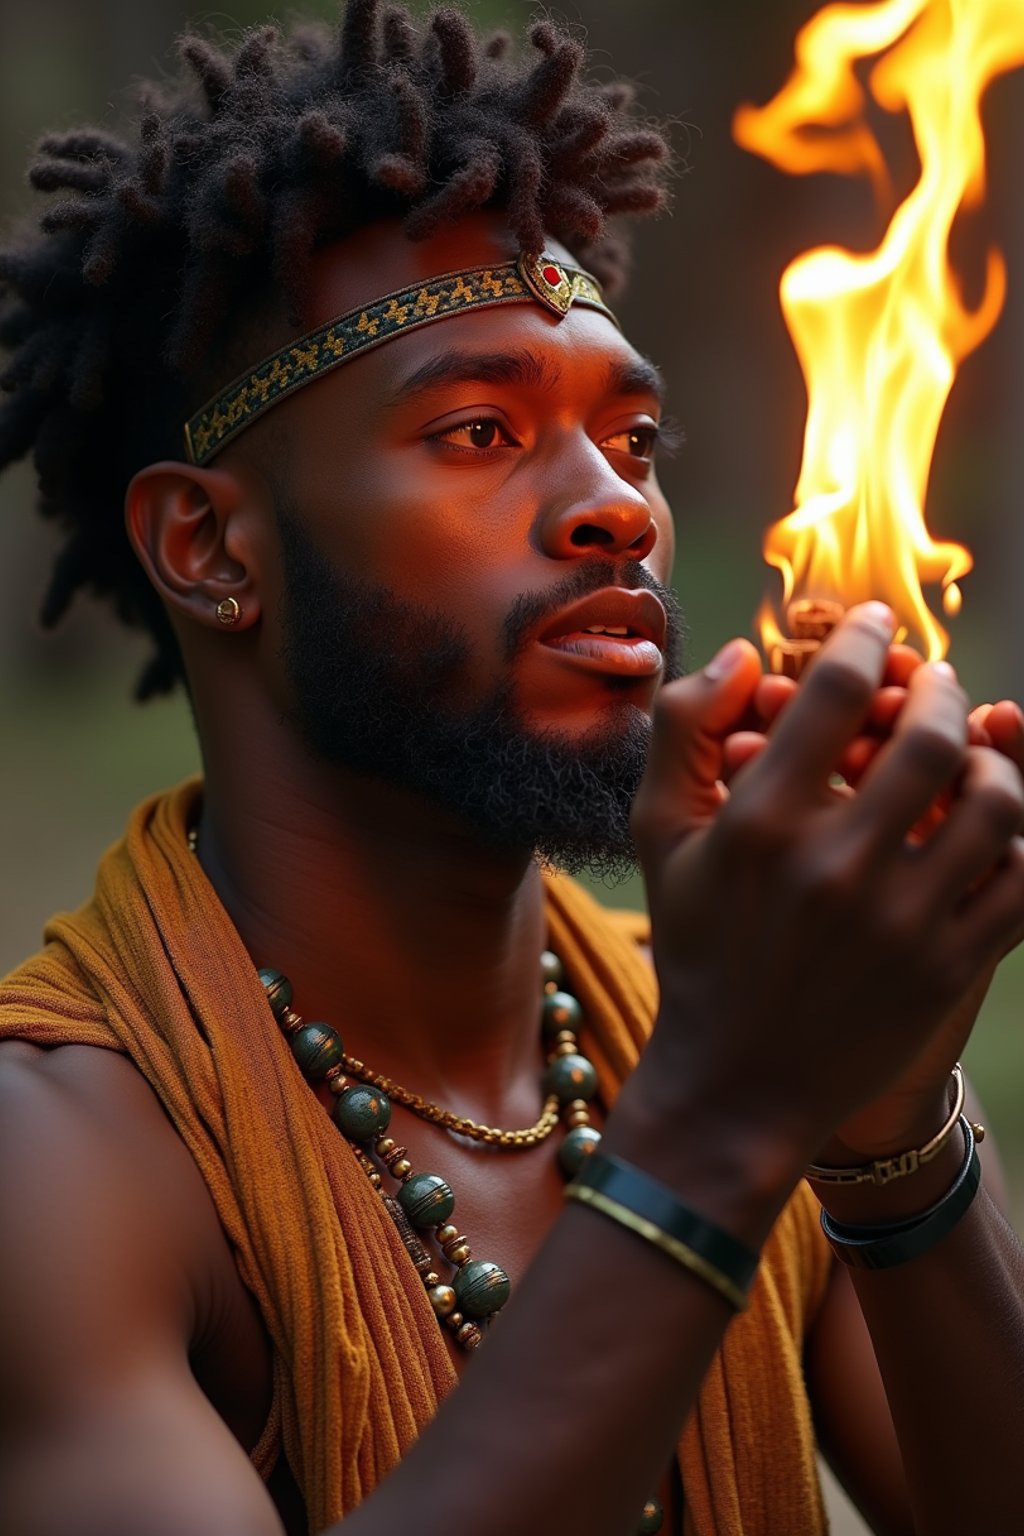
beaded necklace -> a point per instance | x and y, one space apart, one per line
478 1288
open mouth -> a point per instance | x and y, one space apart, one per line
613 630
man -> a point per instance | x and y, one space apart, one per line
412 564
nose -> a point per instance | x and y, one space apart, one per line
595 511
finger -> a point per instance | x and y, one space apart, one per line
739 749
901 664
992 921
921 758
830 708
977 728
885 708
692 719
857 758
979 825
890 699
1004 724
771 696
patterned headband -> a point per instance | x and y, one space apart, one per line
538 279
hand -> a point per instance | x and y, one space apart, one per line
991 725
809 954
916 1103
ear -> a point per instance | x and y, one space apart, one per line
193 531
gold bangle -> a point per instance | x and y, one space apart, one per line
884 1169
673 1246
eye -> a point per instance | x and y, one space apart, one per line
479 434
638 442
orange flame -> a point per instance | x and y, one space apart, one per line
879 336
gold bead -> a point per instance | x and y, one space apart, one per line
469 1335
431 1278
385 1145
290 1020
455 1320
577 1104
443 1300
578 1117
567 1048
400 1167
375 1178
979 1131
458 1253
565 1037
447 1234
338 1084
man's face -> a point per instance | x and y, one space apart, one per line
463 509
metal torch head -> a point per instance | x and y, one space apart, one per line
809 621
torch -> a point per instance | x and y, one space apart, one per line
879 336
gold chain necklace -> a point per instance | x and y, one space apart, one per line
493 1135
462 1125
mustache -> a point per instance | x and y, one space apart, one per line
530 608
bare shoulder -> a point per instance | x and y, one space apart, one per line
89 1154
110 1247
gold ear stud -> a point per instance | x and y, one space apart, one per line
229 611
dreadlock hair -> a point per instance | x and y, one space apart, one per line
234 175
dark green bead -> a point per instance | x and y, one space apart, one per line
482 1288
426 1199
560 1010
278 989
316 1048
550 968
652 1518
571 1077
577 1146
362 1112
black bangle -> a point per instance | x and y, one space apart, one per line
897 1242
650 1209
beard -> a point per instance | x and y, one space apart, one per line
376 683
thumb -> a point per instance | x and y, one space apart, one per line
692 719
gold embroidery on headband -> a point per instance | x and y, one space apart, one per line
532 278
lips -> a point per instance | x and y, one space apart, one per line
614 630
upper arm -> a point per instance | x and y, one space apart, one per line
103 1430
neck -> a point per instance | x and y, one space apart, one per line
392 924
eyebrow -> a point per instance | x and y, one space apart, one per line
632 376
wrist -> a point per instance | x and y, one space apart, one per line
889 1244
888 1129
737 1174
903 1198
897 1181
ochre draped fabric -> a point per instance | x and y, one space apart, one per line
153 967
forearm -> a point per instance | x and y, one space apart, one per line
948 1334
569 1415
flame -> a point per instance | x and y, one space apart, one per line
879 336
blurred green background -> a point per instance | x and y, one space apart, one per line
77 753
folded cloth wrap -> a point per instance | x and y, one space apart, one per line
153 967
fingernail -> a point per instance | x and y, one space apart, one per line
943 669
725 661
881 614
